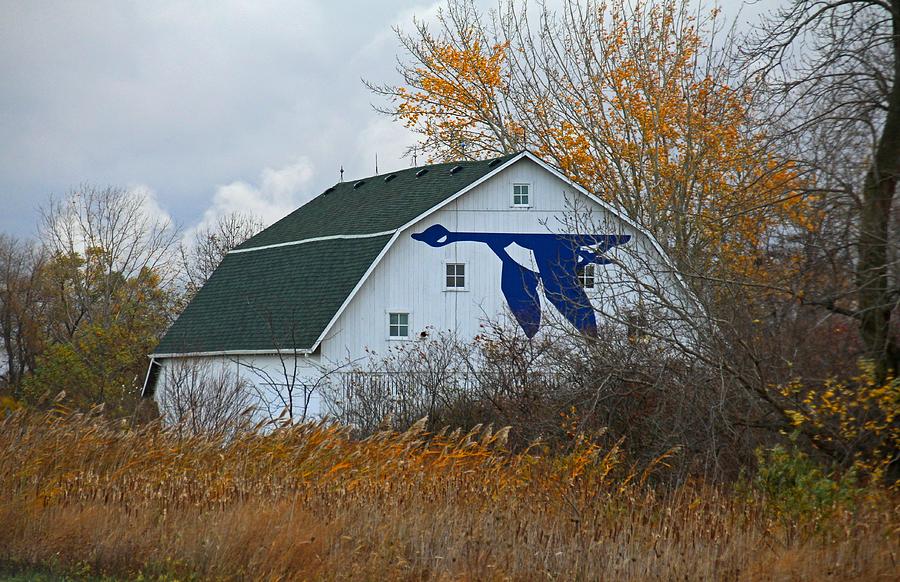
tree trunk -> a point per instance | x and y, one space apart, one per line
872 276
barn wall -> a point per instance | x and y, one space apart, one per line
266 378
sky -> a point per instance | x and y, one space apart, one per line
206 107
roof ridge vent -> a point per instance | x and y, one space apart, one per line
456 169
390 177
494 162
421 172
358 184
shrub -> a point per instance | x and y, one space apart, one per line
855 421
795 487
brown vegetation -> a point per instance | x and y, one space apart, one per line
82 494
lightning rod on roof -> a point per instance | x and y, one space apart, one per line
342 172
376 162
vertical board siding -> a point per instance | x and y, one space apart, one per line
256 371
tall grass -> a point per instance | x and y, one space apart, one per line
82 494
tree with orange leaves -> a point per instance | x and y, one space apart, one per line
629 101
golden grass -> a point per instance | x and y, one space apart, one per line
79 494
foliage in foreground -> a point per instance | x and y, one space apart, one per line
83 495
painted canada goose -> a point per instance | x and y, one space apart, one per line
559 258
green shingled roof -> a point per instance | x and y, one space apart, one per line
374 206
283 297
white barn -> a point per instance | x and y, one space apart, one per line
386 259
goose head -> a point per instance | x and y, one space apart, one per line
436 236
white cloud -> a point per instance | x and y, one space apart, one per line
386 39
279 192
179 95
150 206
386 138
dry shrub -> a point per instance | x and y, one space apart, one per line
82 494
621 387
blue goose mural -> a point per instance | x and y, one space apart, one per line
559 258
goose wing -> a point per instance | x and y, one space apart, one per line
519 286
563 290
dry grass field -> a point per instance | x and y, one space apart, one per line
87 498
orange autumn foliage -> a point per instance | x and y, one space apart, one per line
457 93
626 100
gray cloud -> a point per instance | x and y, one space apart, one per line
189 98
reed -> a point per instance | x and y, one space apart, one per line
84 495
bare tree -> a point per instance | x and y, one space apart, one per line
833 66
103 238
21 309
200 397
209 245
284 392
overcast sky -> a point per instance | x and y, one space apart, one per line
209 106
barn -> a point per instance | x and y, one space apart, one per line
375 262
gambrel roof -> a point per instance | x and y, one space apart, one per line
282 288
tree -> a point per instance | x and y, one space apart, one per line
101 360
22 319
286 385
204 398
630 101
107 292
210 244
102 240
833 66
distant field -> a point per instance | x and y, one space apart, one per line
88 499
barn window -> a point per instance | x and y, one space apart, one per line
637 324
455 276
398 325
521 197
587 275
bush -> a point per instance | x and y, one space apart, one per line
646 399
795 487
855 421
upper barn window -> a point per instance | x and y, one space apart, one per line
521 195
